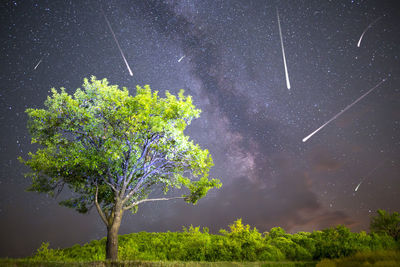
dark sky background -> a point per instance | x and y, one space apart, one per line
251 123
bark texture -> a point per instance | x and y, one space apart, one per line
112 234
112 243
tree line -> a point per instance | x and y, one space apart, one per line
239 243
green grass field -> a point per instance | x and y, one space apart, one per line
376 258
30 263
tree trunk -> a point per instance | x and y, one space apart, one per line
112 238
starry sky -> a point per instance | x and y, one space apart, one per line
251 123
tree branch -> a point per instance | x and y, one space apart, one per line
111 185
101 213
142 179
125 167
145 148
83 136
149 200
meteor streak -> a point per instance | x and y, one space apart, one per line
179 60
369 174
283 51
345 109
366 29
116 41
355 190
38 64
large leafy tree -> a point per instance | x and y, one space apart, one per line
386 223
112 150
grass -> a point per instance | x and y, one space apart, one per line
31 263
375 258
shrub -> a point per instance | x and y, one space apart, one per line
239 243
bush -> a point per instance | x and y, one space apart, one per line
239 243
43 253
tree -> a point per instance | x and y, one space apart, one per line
112 150
386 223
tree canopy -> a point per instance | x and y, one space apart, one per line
386 223
112 149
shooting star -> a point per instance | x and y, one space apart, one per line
345 109
116 41
369 174
355 190
283 51
179 60
40 61
366 29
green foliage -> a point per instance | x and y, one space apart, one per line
199 189
43 253
340 242
93 251
244 243
386 223
101 139
239 243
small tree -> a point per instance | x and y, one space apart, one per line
112 149
386 223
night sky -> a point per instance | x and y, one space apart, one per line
251 123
